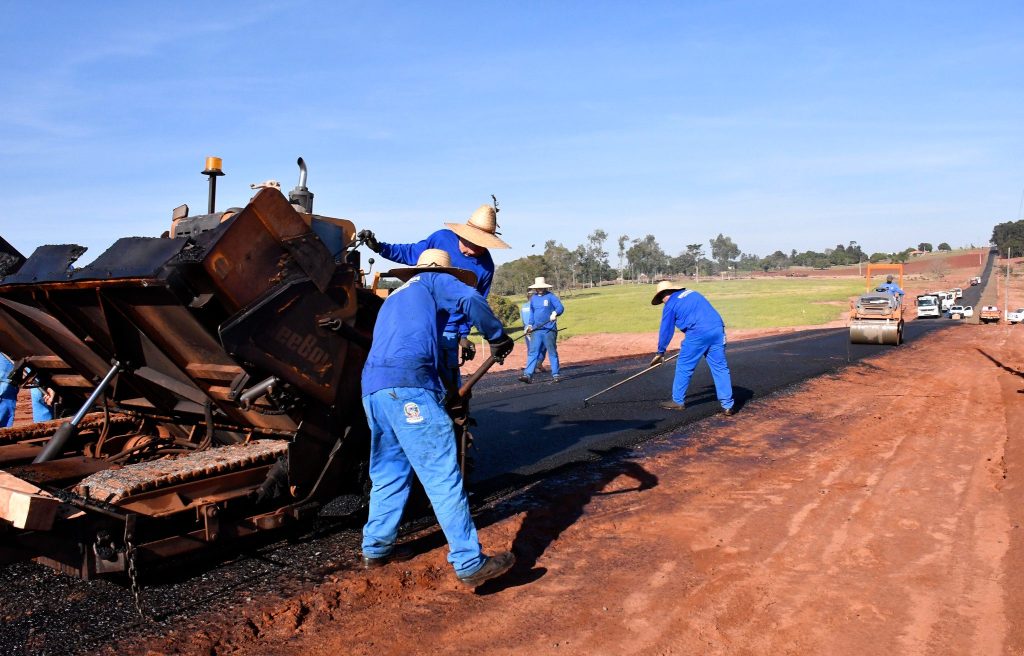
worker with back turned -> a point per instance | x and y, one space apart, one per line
410 431
467 246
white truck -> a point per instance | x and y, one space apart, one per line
958 293
1016 316
928 306
946 300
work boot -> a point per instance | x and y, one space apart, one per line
728 412
397 555
556 379
525 379
672 405
494 566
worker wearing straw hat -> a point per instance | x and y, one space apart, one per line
704 333
467 245
410 430
524 314
542 329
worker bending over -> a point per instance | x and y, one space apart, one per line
704 333
542 329
410 431
466 245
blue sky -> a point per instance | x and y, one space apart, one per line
780 124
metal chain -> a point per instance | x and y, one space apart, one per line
133 574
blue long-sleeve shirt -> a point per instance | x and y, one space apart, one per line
891 287
406 351
690 312
541 307
447 241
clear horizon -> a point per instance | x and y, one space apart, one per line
784 126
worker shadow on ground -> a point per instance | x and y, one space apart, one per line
558 503
1004 367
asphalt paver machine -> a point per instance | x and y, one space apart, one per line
211 377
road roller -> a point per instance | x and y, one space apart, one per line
877 315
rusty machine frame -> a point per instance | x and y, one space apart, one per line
214 378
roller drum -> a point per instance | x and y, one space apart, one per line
876 332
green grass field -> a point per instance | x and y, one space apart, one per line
765 303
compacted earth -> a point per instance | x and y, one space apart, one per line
876 511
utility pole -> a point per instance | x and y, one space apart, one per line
1006 286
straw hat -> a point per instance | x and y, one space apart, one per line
481 229
538 283
434 260
665 287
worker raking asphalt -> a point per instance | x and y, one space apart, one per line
525 430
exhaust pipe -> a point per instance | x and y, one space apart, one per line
300 195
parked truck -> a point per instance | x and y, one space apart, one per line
928 306
989 314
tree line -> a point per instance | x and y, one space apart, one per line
642 258
1009 238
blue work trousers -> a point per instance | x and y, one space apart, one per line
540 341
410 431
711 346
7 411
40 411
543 349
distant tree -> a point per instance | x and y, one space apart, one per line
594 259
686 262
878 257
777 260
623 240
902 256
1009 236
506 310
939 268
512 278
560 263
924 246
944 247
578 257
646 256
724 250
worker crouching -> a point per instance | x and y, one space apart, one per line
704 332
410 431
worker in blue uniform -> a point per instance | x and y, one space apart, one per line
467 246
524 314
704 333
542 329
42 404
8 393
891 287
410 431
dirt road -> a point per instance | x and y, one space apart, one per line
878 511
